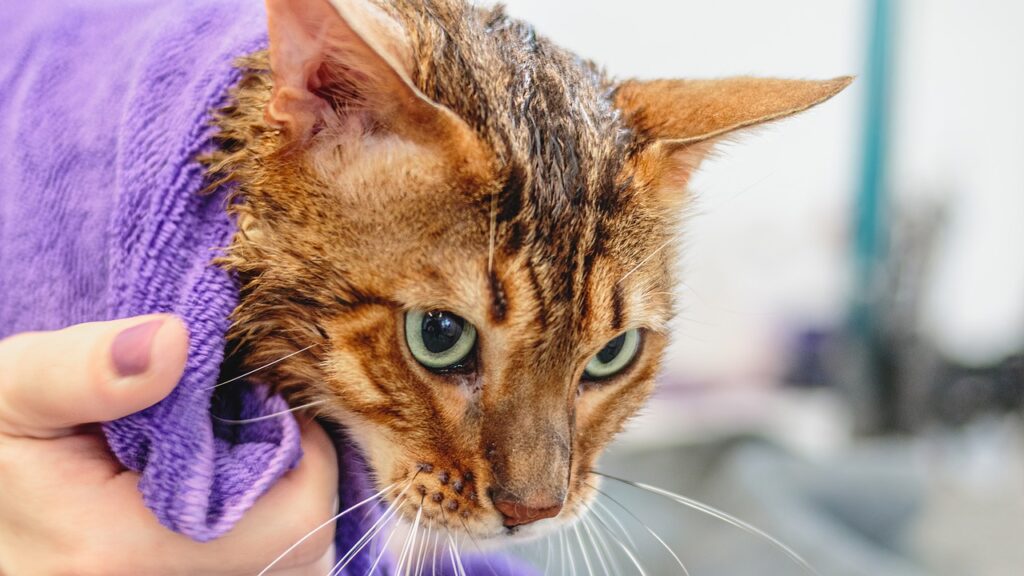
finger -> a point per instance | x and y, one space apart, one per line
95 372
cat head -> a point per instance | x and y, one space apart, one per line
475 230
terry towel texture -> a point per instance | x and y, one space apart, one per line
104 106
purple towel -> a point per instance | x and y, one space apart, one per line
104 105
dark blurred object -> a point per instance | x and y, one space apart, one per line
961 393
893 376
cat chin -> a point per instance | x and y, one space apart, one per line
489 540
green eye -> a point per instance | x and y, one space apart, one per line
439 340
615 356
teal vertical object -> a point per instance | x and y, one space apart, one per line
869 376
871 206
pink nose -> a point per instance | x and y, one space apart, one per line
517 513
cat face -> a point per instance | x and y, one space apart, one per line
474 230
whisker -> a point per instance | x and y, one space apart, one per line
365 540
415 535
267 416
451 553
583 549
477 545
378 526
597 546
383 549
456 557
716 513
433 557
422 556
264 367
409 539
547 560
645 260
646 527
615 538
615 519
458 554
568 551
318 528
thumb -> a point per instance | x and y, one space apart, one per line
95 372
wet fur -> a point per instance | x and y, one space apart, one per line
542 209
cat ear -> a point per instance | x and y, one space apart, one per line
677 122
339 56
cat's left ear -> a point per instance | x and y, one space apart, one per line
337 59
677 122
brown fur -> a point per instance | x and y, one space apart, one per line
463 163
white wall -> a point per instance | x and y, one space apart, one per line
959 138
768 242
769 246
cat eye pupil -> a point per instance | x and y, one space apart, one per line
440 340
441 331
612 349
616 355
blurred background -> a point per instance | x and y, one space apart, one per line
848 365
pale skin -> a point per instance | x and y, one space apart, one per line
67 506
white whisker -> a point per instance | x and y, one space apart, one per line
645 260
325 524
422 557
433 556
451 553
547 560
646 527
477 546
264 367
583 550
409 539
458 556
716 513
572 560
371 534
415 535
597 546
615 519
268 416
384 548
625 549
364 541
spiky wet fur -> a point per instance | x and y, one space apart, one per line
535 215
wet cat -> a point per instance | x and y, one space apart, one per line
470 232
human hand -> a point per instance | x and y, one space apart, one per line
68 506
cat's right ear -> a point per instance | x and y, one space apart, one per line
340 59
676 123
